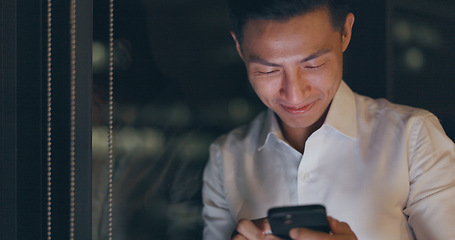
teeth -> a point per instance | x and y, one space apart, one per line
300 108
296 107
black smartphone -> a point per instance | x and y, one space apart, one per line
283 219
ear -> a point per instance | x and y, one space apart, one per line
347 31
237 45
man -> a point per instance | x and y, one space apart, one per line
383 171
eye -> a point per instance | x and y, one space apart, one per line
314 67
267 73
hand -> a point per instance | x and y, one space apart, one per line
253 230
340 231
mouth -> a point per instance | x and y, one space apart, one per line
299 109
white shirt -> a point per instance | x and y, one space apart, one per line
387 170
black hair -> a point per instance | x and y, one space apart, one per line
240 11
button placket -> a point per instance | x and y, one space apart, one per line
308 164
305 177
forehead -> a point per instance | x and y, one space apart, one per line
310 30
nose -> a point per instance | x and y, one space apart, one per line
295 86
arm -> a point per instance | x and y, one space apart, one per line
218 222
431 204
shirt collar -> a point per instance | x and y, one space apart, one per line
270 128
341 117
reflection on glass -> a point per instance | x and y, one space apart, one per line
178 84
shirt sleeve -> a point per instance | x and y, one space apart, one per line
431 202
218 221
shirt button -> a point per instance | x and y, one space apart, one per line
305 177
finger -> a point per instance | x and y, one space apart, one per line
238 236
307 234
249 230
263 224
340 231
338 227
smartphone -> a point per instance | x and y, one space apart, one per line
283 219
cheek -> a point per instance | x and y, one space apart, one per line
265 87
322 80
328 78
262 92
325 85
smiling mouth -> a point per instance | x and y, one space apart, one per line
299 110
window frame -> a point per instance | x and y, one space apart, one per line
23 114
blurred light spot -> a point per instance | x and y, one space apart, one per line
99 142
402 31
428 36
239 109
175 115
152 141
126 140
216 114
194 146
99 57
406 32
414 59
179 115
139 142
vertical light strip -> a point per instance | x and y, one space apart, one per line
111 118
49 119
72 115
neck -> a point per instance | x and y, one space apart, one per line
297 137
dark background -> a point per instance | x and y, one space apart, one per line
181 50
179 84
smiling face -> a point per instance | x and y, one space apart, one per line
295 66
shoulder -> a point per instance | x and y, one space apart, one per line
247 133
385 111
396 123
230 149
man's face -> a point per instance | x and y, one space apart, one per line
295 66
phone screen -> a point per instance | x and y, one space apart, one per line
283 219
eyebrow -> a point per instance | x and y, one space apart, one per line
311 57
316 55
263 62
